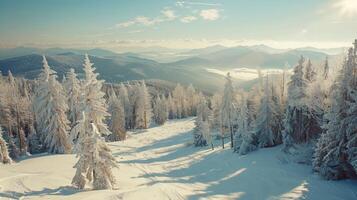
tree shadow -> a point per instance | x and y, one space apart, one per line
61 191
224 173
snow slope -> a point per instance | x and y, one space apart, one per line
160 163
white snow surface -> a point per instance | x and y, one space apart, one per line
161 163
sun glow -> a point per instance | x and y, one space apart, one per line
347 7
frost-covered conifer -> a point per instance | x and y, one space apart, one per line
124 98
267 124
95 159
143 111
228 109
245 140
73 92
171 107
50 109
296 112
117 121
4 154
202 135
160 110
179 97
335 153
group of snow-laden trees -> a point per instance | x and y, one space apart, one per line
79 115
336 151
16 116
312 113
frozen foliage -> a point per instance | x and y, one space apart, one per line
202 135
335 154
160 110
216 101
172 109
117 121
296 112
245 140
15 107
179 97
268 122
228 112
33 142
4 154
95 159
93 98
73 93
124 98
50 109
143 111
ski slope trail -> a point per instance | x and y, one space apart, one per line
160 163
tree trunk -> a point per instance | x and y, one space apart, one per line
222 137
145 122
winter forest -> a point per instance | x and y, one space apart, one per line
179 100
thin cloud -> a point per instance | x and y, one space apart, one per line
188 19
210 14
195 3
167 15
347 8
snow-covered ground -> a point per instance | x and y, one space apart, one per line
160 163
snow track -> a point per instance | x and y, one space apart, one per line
160 163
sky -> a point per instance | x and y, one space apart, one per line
123 24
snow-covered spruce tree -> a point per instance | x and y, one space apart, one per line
310 73
160 110
50 110
216 101
143 111
267 124
117 121
171 107
133 90
93 98
296 116
202 135
228 109
19 109
95 159
192 99
335 154
4 154
245 140
124 98
33 142
73 92
179 97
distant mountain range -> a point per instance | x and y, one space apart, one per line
192 68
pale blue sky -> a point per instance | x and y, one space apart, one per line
116 24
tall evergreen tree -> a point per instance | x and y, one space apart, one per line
117 121
245 140
143 111
95 159
73 92
4 154
228 109
296 112
50 108
335 154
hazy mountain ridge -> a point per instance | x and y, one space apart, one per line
115 67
